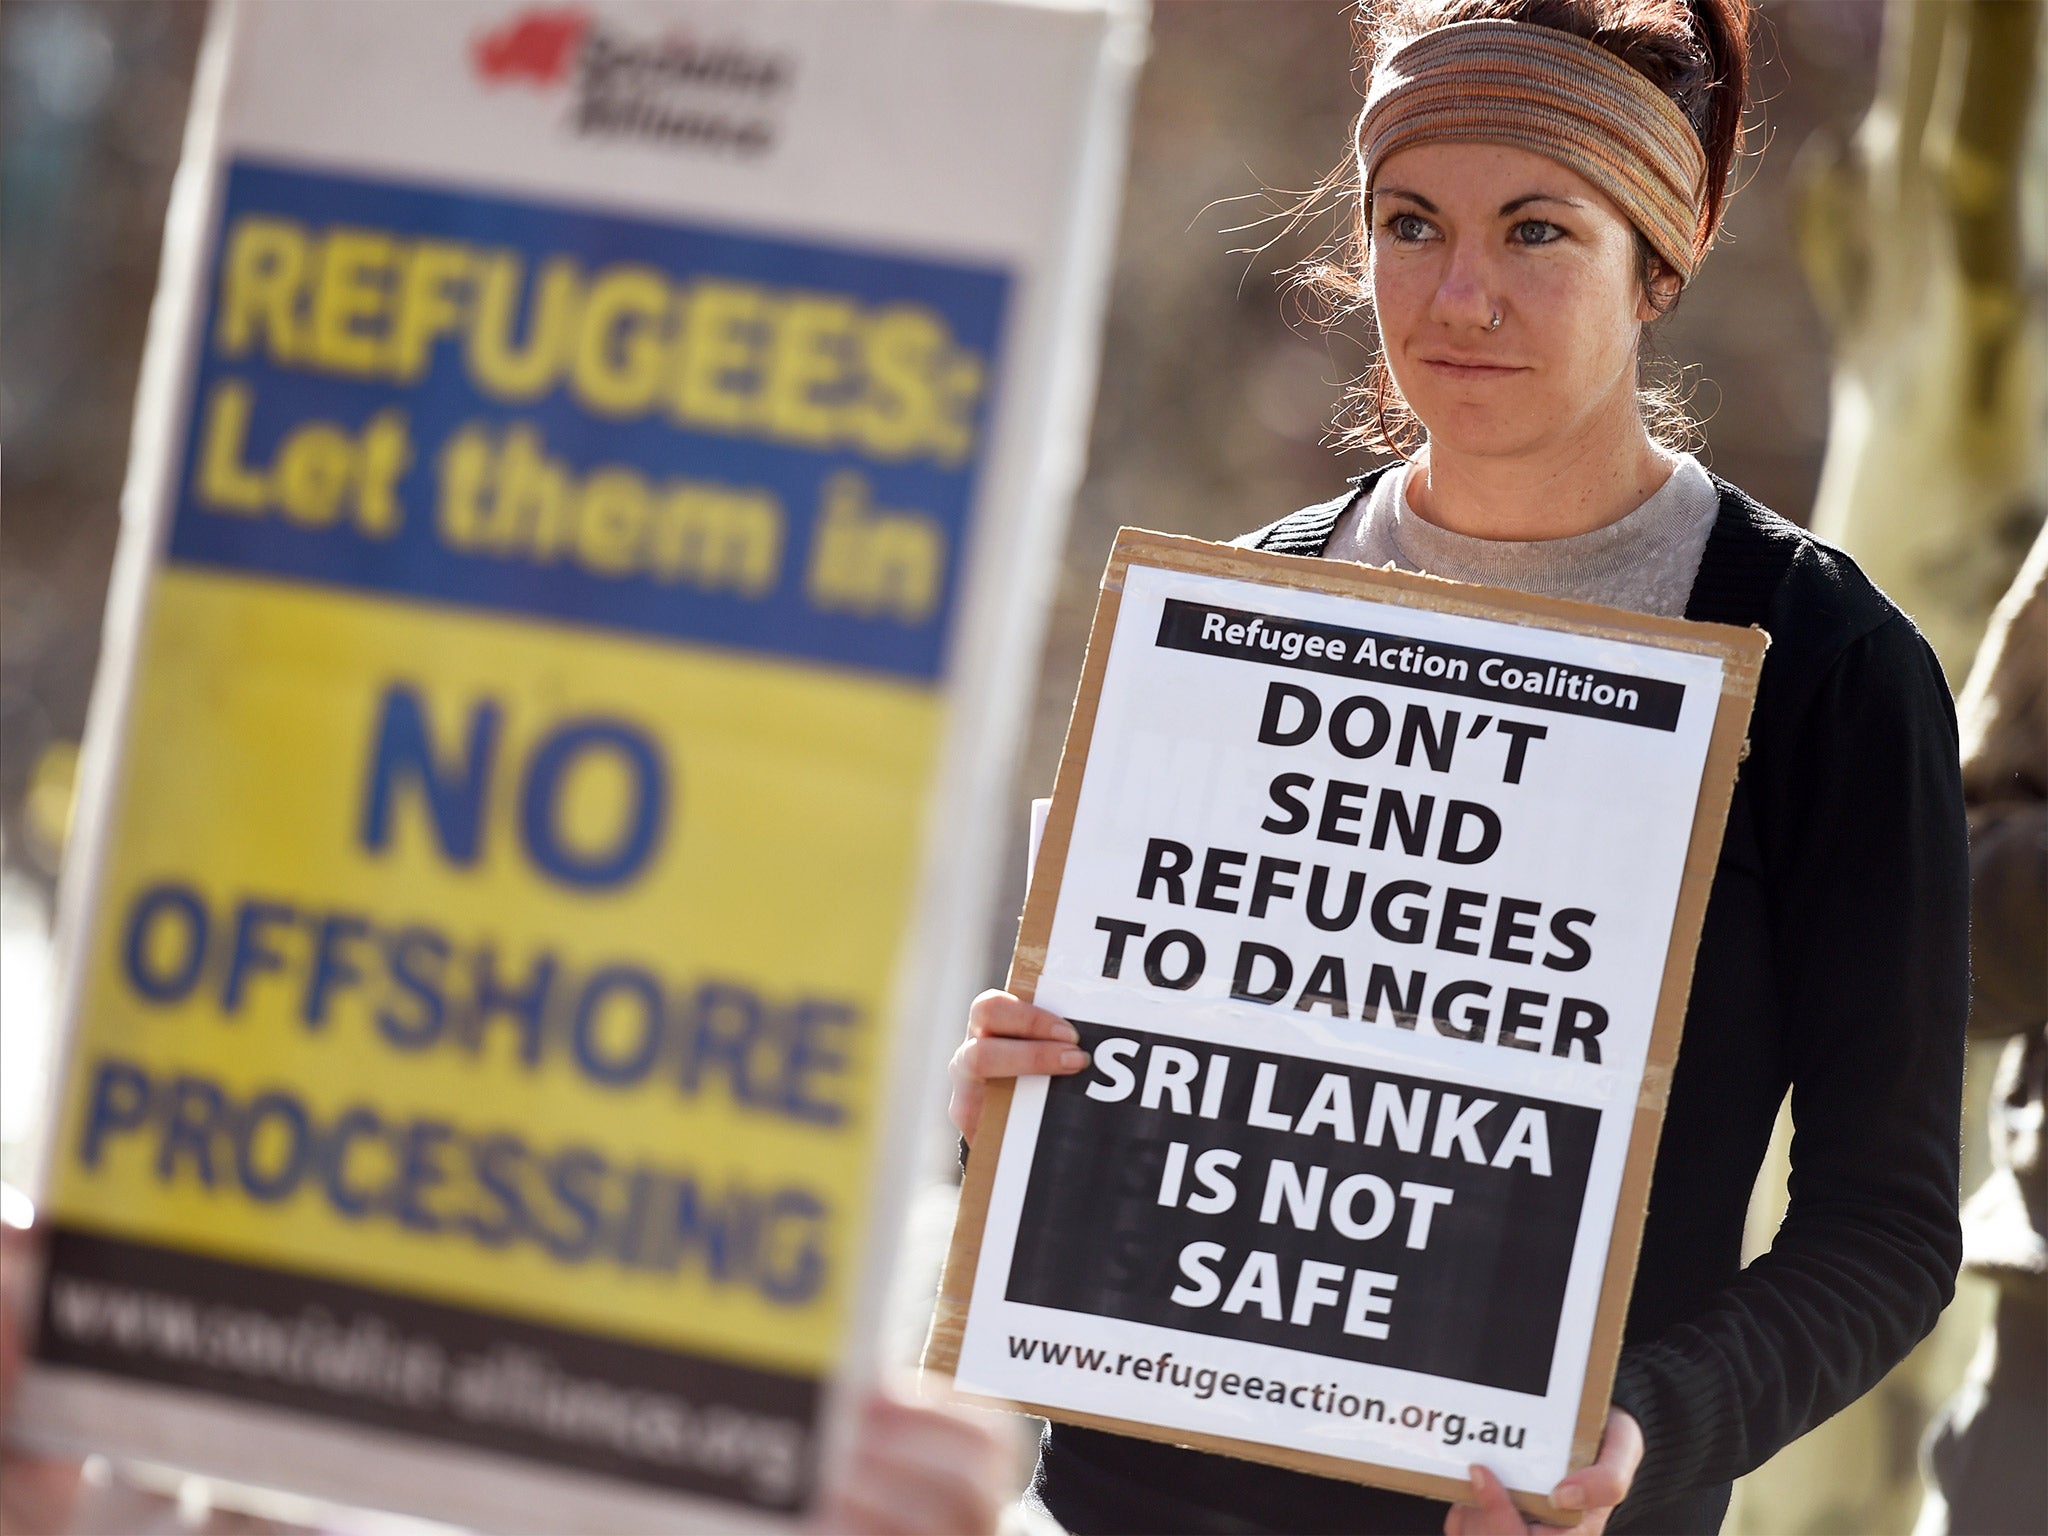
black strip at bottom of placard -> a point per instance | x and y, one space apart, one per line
646 1415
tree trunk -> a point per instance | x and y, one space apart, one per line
1923 240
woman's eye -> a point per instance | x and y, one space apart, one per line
1407 226
1536 232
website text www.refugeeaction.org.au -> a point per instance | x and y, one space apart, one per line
1205 1382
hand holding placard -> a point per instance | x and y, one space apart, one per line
1489 1510
1006 1038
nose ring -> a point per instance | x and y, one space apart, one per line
1496 321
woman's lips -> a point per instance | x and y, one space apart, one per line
1456 368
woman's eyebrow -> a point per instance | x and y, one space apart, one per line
1539 197
1414 197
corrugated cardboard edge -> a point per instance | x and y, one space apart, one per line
1741 652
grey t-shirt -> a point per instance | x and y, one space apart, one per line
1646 562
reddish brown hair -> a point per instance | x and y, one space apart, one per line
1694 51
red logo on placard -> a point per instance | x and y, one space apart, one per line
703 95
536 46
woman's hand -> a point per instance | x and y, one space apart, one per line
1007 1037
1596 1489
921 1471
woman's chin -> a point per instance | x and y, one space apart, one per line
1471 434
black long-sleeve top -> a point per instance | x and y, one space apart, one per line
1833 964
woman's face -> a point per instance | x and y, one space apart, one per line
1462 231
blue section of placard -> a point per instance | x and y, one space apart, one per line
800 484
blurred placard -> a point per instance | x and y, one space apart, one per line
1374 899
595 468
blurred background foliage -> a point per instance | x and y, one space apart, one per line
1881 127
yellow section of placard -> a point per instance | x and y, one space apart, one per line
521 967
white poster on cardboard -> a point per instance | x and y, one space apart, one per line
1364 917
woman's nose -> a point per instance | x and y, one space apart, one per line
1464 297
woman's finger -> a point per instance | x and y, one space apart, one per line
1594 1488
1007 1037
991 1057
963 1108
1489 1511
999 1013
1605 1483
982 1058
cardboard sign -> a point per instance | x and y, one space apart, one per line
593 465
1374 899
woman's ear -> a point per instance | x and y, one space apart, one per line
1660 290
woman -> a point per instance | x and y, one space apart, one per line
1538 181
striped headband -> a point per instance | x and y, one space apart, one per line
1511 82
